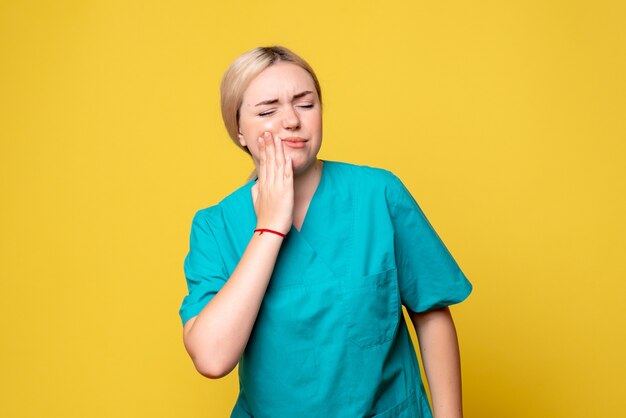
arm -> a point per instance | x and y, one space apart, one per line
216 338
440 354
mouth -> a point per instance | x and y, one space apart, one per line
294 142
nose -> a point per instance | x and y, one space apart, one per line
291 119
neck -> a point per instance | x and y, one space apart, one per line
305 183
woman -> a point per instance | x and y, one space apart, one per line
299 276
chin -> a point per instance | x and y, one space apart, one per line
300 166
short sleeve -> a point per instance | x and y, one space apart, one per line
203 267
428 276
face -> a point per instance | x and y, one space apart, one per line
282 100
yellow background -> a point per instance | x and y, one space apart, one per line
505 120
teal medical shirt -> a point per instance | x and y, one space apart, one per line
330 339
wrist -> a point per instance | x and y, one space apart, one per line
271 231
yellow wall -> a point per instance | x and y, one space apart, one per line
505 119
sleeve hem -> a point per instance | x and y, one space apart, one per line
463 291
190 311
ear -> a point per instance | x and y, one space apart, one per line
242 140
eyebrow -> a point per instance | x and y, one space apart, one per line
273 101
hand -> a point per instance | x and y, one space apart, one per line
273 194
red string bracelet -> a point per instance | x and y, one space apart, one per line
260 231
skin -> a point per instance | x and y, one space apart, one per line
281 124
282 102
274 106
439 349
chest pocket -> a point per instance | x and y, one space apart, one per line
372 304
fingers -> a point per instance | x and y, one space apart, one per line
288 172
274 194
270 157
273 164
280 158
262 165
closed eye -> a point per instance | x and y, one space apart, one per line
266 113
306 106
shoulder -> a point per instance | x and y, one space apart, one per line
214 215
373 176
368 180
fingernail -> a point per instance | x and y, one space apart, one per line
266 134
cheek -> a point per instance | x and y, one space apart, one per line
314 120
255 129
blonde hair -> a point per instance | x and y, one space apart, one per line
242 71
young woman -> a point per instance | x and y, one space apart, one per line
299 276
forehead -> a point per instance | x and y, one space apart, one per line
278 81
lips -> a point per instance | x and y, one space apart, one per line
294 142
293 139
